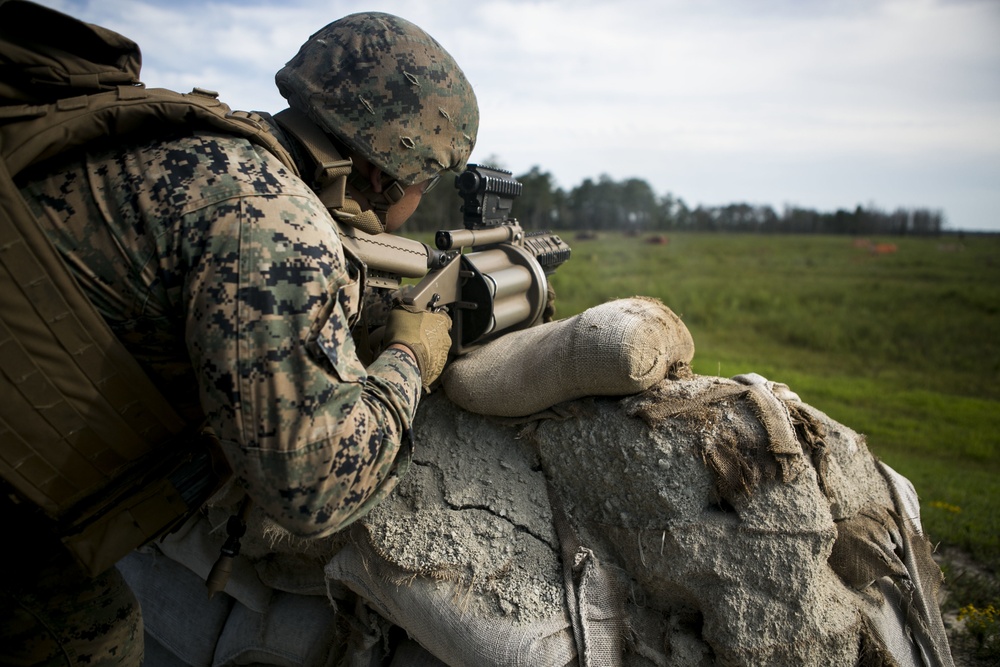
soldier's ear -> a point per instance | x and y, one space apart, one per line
375 176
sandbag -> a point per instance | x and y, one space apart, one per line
723 501
705 521
714 512
183 626
617 348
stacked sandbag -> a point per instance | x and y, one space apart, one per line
463 555
468 542
618 348
706 521
633 515
726 502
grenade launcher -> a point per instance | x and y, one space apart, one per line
492 276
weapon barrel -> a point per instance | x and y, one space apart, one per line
465 238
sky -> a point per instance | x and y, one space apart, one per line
821 104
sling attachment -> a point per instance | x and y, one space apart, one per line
236 528
366 221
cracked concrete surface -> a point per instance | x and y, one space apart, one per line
488 528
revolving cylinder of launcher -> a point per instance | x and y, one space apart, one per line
498 286
503 289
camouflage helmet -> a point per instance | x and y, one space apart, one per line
389 91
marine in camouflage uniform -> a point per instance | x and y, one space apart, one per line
224 275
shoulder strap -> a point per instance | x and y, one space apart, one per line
32 133
332 172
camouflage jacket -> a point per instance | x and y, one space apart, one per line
225 277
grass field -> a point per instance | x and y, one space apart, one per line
903 346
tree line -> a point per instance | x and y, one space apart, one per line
631 205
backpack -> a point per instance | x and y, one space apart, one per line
88 441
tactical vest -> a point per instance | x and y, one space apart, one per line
85 436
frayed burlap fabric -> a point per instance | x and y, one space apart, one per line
706 521
618 348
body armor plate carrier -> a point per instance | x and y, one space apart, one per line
85 436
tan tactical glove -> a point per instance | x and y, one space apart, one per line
549 313
425 333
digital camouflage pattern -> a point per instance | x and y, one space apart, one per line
225 277
66 618
389 91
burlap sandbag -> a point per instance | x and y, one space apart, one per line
707 521
618 348
703 522
745 518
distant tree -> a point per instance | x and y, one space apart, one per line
638 205
899 222
538 207
703 219
927 222
586 206
737 217
767 219
632 205
799 220
680 214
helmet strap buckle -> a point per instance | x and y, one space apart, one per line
393 192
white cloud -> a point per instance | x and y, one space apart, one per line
825 103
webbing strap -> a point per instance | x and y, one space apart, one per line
71 390
332 170
31 134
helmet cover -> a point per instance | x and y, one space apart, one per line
389 91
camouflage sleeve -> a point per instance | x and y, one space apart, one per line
315 436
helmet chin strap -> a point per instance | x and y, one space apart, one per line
334 172
392 192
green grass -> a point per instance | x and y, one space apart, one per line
903 347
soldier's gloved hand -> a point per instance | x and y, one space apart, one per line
425 333
549 313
